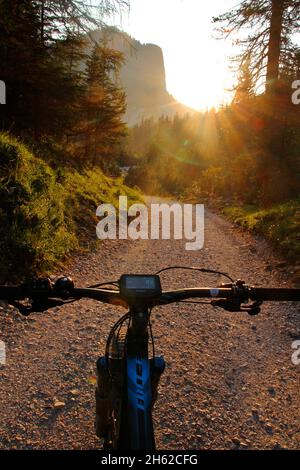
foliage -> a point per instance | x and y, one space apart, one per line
45 214
222 154
49 96
35 228
279 224
168 154
103 106
264 30
85 191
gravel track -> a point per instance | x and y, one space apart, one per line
229 381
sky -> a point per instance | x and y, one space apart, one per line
196 62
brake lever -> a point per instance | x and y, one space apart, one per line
252 309
37 306
231 305
38 290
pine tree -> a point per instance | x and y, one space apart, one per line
41 48
104 105
272 24
245 87
21 58
41 87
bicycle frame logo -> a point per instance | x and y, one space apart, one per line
2 92
187 222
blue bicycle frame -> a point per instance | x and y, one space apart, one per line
138 383
139 402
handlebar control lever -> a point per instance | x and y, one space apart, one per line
232 305
237 302
39 287
39 290
37 306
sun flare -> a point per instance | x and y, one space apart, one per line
196 63
200 92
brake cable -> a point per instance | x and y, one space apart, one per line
151 333
193 268
112 283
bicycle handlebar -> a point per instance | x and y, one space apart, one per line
40 290
275 293
260 294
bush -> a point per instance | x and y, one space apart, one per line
35 228
47 214
280 224
86 191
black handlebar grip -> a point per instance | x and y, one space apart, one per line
274 293
12 292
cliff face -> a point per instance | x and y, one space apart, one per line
143 79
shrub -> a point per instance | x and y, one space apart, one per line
46 214
35 228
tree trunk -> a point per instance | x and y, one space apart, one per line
274 44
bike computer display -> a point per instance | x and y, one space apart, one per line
139 286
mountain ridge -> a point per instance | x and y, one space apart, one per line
143 77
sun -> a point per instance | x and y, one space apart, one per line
203 90
199 96
196 62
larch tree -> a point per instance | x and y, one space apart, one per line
103 106
41 54
265 29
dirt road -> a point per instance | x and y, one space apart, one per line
229 382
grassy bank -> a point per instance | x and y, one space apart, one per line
47 214
279 224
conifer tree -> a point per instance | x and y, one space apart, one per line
270 26
104 105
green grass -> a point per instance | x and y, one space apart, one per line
46 215
280 224
85 192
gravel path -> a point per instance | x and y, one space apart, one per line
229 382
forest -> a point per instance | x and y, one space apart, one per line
60 130
244 157
63 137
